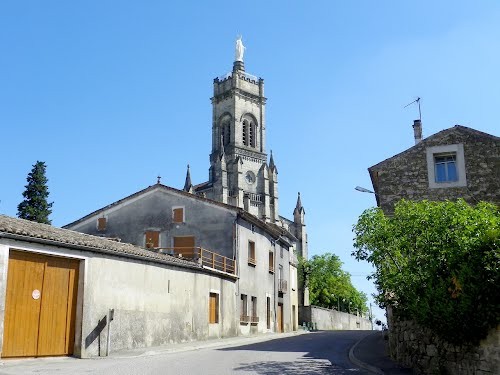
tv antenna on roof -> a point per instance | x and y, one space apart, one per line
419 111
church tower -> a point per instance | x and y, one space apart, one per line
239 173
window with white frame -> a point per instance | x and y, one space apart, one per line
178 214
446 166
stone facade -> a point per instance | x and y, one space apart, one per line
240 173
414 174
417 347
410 174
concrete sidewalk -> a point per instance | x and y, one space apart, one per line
195 345
371 353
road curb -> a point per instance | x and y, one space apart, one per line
202 344
362 364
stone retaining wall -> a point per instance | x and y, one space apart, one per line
414 346
327 319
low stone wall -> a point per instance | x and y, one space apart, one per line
327 319
414 346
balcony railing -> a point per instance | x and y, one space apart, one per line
282 286
254 319
244 318
205 257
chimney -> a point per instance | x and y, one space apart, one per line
417 130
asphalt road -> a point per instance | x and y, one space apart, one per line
315 353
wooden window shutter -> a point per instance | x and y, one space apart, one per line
251 252
213 313
152 239
101 224
178 215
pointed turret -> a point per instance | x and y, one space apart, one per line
299 209
188 186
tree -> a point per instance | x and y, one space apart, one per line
436 263
35 207
330 286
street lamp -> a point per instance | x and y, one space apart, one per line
364 190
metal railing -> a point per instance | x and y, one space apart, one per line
254 319
206 258
244 318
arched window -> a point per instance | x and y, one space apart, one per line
225 130
245 132
249 132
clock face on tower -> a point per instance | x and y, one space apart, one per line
250 177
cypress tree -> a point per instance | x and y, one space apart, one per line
35 206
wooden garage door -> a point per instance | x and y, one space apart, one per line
40 305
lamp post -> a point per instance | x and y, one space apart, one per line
364 190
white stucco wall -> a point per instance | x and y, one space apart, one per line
153 303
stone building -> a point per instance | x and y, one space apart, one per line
232 218
458 162
219 237
240 174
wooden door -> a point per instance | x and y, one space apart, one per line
184 246
40 305
280 317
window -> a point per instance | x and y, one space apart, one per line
244 318
178 214
445 168
268 312
251 253
251 135
213 308
101 224
254 318
271 262
249 130
225 132
184 245
245 135
152 239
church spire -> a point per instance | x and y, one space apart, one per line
188 186
298 207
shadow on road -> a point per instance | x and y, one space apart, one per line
324 352
305 367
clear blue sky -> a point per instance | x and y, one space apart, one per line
112 93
